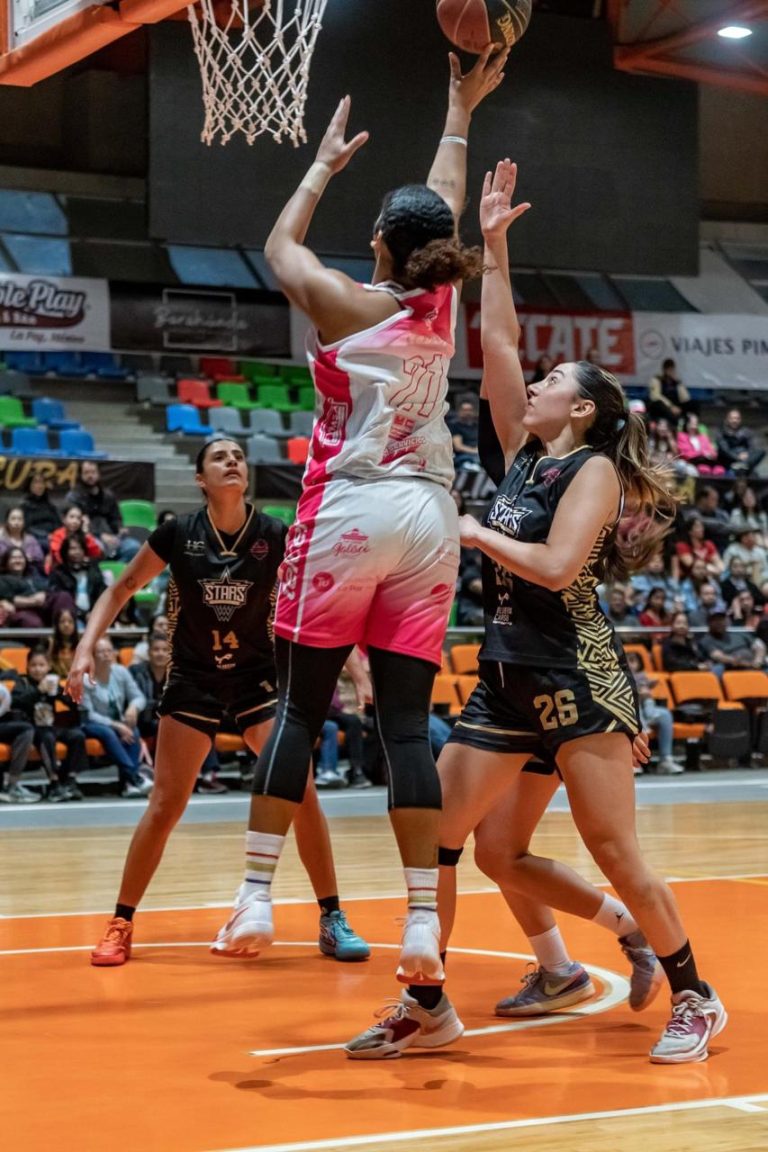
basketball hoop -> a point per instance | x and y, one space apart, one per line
254 64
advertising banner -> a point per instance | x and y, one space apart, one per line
52 314
564 336
128 479
710 351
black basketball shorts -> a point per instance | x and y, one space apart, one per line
536 710
202 701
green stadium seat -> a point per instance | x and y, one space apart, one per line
284 512
276 396
12 413
235 395
254 369
307 399
138 514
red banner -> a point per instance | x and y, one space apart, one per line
564 336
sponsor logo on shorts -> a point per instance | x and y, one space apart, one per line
224 662
288 575
323 581
194 547
259 549
225 595
506 516
504 610
352 543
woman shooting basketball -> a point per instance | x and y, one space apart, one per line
223 560
372 557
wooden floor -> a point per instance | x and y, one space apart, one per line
180 1051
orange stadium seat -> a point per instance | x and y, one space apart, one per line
445 692
464 659
466 686
15 658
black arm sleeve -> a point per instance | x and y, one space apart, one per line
489 448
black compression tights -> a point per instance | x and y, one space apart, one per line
306 681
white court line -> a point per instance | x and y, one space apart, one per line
736 1102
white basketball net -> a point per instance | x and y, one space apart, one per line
255 69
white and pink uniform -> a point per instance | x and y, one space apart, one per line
373 555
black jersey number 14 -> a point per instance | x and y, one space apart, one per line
220 642
558 710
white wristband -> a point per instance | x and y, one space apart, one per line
454 140
316 178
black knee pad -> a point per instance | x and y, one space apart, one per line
449 857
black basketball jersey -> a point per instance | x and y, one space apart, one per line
221 594
526 623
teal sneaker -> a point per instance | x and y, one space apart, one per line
337 939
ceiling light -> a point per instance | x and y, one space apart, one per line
734 32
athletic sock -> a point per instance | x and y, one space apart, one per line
328 904
615 917
124 911
680 969
422 889
262 852
426 995
550 952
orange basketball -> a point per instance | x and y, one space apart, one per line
473 24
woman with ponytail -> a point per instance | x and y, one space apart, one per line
553 684
373 555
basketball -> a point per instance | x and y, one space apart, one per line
473 24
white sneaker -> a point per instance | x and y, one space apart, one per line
669 767
406 1025
420 961
695 1021
249 929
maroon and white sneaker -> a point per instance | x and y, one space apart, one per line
405 1024
695 1020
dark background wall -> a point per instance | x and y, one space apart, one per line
608 160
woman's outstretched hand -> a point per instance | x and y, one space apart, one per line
496 211
470 89
334 150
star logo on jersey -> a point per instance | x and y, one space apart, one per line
506 516
225 595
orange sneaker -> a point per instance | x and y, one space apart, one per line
115 945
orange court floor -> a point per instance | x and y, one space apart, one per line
182 1051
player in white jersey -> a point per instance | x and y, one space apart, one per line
372 558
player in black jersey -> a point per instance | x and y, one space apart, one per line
552 680
224 561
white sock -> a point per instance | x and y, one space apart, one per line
262 852
550 951
422 889
613 915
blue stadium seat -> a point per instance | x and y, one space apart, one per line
31 442
185 418
64 364
105 365
77 442
30 362
51 412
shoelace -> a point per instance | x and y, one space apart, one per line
532 976
116 933
682 1015
385 1013
342 928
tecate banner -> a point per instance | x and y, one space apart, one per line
48 313
710 351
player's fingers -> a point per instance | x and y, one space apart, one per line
453 60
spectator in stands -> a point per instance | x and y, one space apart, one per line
112 703
343 716
64 641
25 599
469 596
736 581
662 446
18 734
717 524
74 525
655 613
745 613
41 515
618 609
654 575
656 716
680 652
755 557
691 586
709 599
77 575
35 699
103 512
694 546
158 626
736 447
463 426
746 513
542 368
13 534
726 650
696 448
668 398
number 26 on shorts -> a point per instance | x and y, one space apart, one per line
558 710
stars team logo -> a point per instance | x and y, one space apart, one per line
224 594
506 516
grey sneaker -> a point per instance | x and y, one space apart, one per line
647 974
669 767
19 794
695 1020
545 991
405 1024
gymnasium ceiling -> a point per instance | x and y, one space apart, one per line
679 38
